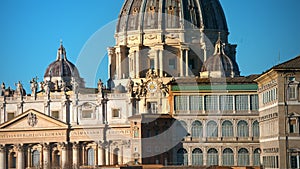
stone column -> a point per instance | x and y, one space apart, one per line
75 154
235 128
120 156
186 63
156 61
220 156
20 157
251 156
235 151
107 156
29 157
64 157
190 156
2 156
250 122
137 64
181 62
161 63
101 153
46 156
205 156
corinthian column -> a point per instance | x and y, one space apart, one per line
20 157
64 157
2 156
75 154
46 156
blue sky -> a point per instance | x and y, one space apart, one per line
31 30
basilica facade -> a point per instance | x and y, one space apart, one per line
174 96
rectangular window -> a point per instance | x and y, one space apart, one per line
241 102
87 114
55 114
115 113
196 103
152 107
226 103
292 92
172 63
211 103
293 123
254 102
10 116
181 103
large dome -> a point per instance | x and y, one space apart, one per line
166 14
172 37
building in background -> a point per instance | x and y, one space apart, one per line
174 97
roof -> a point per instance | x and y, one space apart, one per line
290 64
232 80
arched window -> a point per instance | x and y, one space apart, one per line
227 129
212 129
255 129
90 157
212 157
243 129
228 157
35 158
182 157
197 157
256 157
12 160
243 157
197 129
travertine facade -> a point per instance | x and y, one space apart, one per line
175 97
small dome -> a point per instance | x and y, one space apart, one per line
61 67
62 70
220 65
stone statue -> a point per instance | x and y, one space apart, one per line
100 86
47 88
2 91
141 90
130 86
63 87
33 86
19 90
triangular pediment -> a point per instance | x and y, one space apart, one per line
33 120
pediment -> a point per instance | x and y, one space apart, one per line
33 120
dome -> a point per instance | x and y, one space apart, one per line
166 14
61 67
62 70
220 65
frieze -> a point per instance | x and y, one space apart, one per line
32 135
268 85
271 150
268 117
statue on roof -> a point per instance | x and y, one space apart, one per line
130 86
100 86
33 86
2 91
19 89
75 86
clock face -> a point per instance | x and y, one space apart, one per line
152 87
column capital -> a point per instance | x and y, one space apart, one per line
46 146
19 147
2 148
63 145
